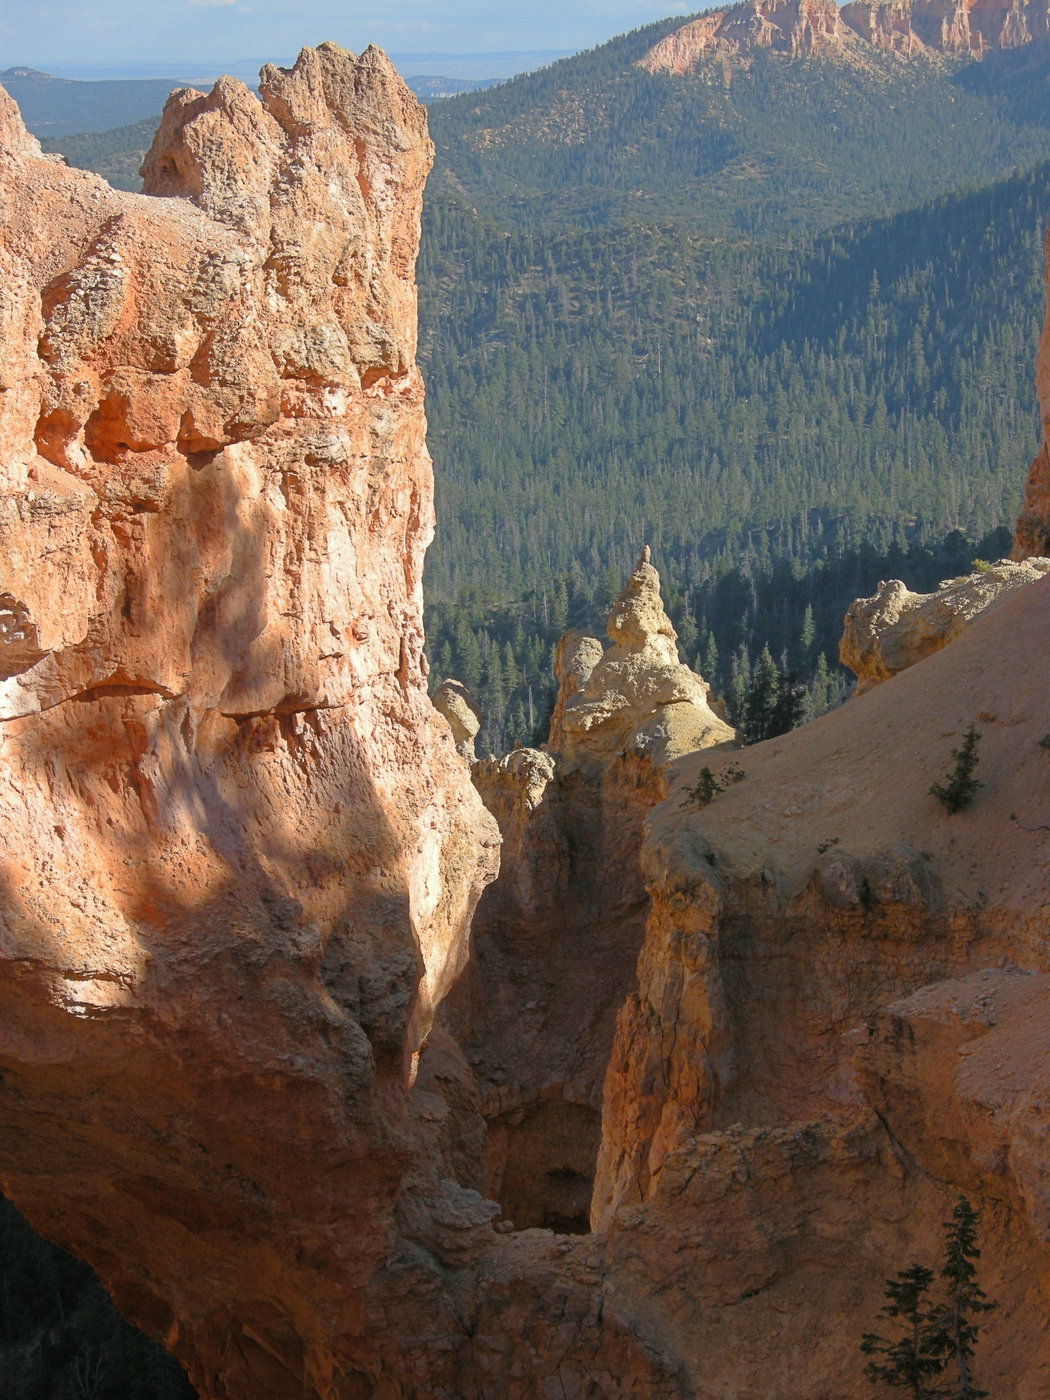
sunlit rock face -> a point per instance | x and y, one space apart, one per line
798 28
790 27
240 851
895 628
838 1024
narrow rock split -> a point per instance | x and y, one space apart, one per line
556 938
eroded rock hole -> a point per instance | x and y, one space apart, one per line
541 1161
61 1335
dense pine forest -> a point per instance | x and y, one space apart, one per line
776 319
795 421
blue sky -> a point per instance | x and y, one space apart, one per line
52 33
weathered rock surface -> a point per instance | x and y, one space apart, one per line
947 26
242 854
768 1084
784 26
638 698
805 27
570 898
240 851
453 700
895 628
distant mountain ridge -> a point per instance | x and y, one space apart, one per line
53 106
807 128
802 27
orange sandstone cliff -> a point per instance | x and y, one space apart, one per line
556 937
240 852
820 27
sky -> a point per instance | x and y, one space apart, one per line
84 34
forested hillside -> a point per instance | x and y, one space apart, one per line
761 147
758 414
117 153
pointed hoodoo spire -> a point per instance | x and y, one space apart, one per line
636 696
637 620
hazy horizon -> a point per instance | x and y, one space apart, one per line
120 39
498 64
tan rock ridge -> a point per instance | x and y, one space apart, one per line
802 1081
240 851
815 27
895 628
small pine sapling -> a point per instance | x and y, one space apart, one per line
960 786
707 786
964 1302
917 1356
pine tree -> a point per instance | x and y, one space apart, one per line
933 1358
916 1358
960 786
774 702
965 1301
807 634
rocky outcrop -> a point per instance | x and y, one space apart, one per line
637 698
453 700
241 853
789 1065
791 27
947 26
570 897
895 628
806 27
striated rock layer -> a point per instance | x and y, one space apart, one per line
792 27
240 851
804 27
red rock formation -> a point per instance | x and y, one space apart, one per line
785 26
801 27
948 26
240 850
